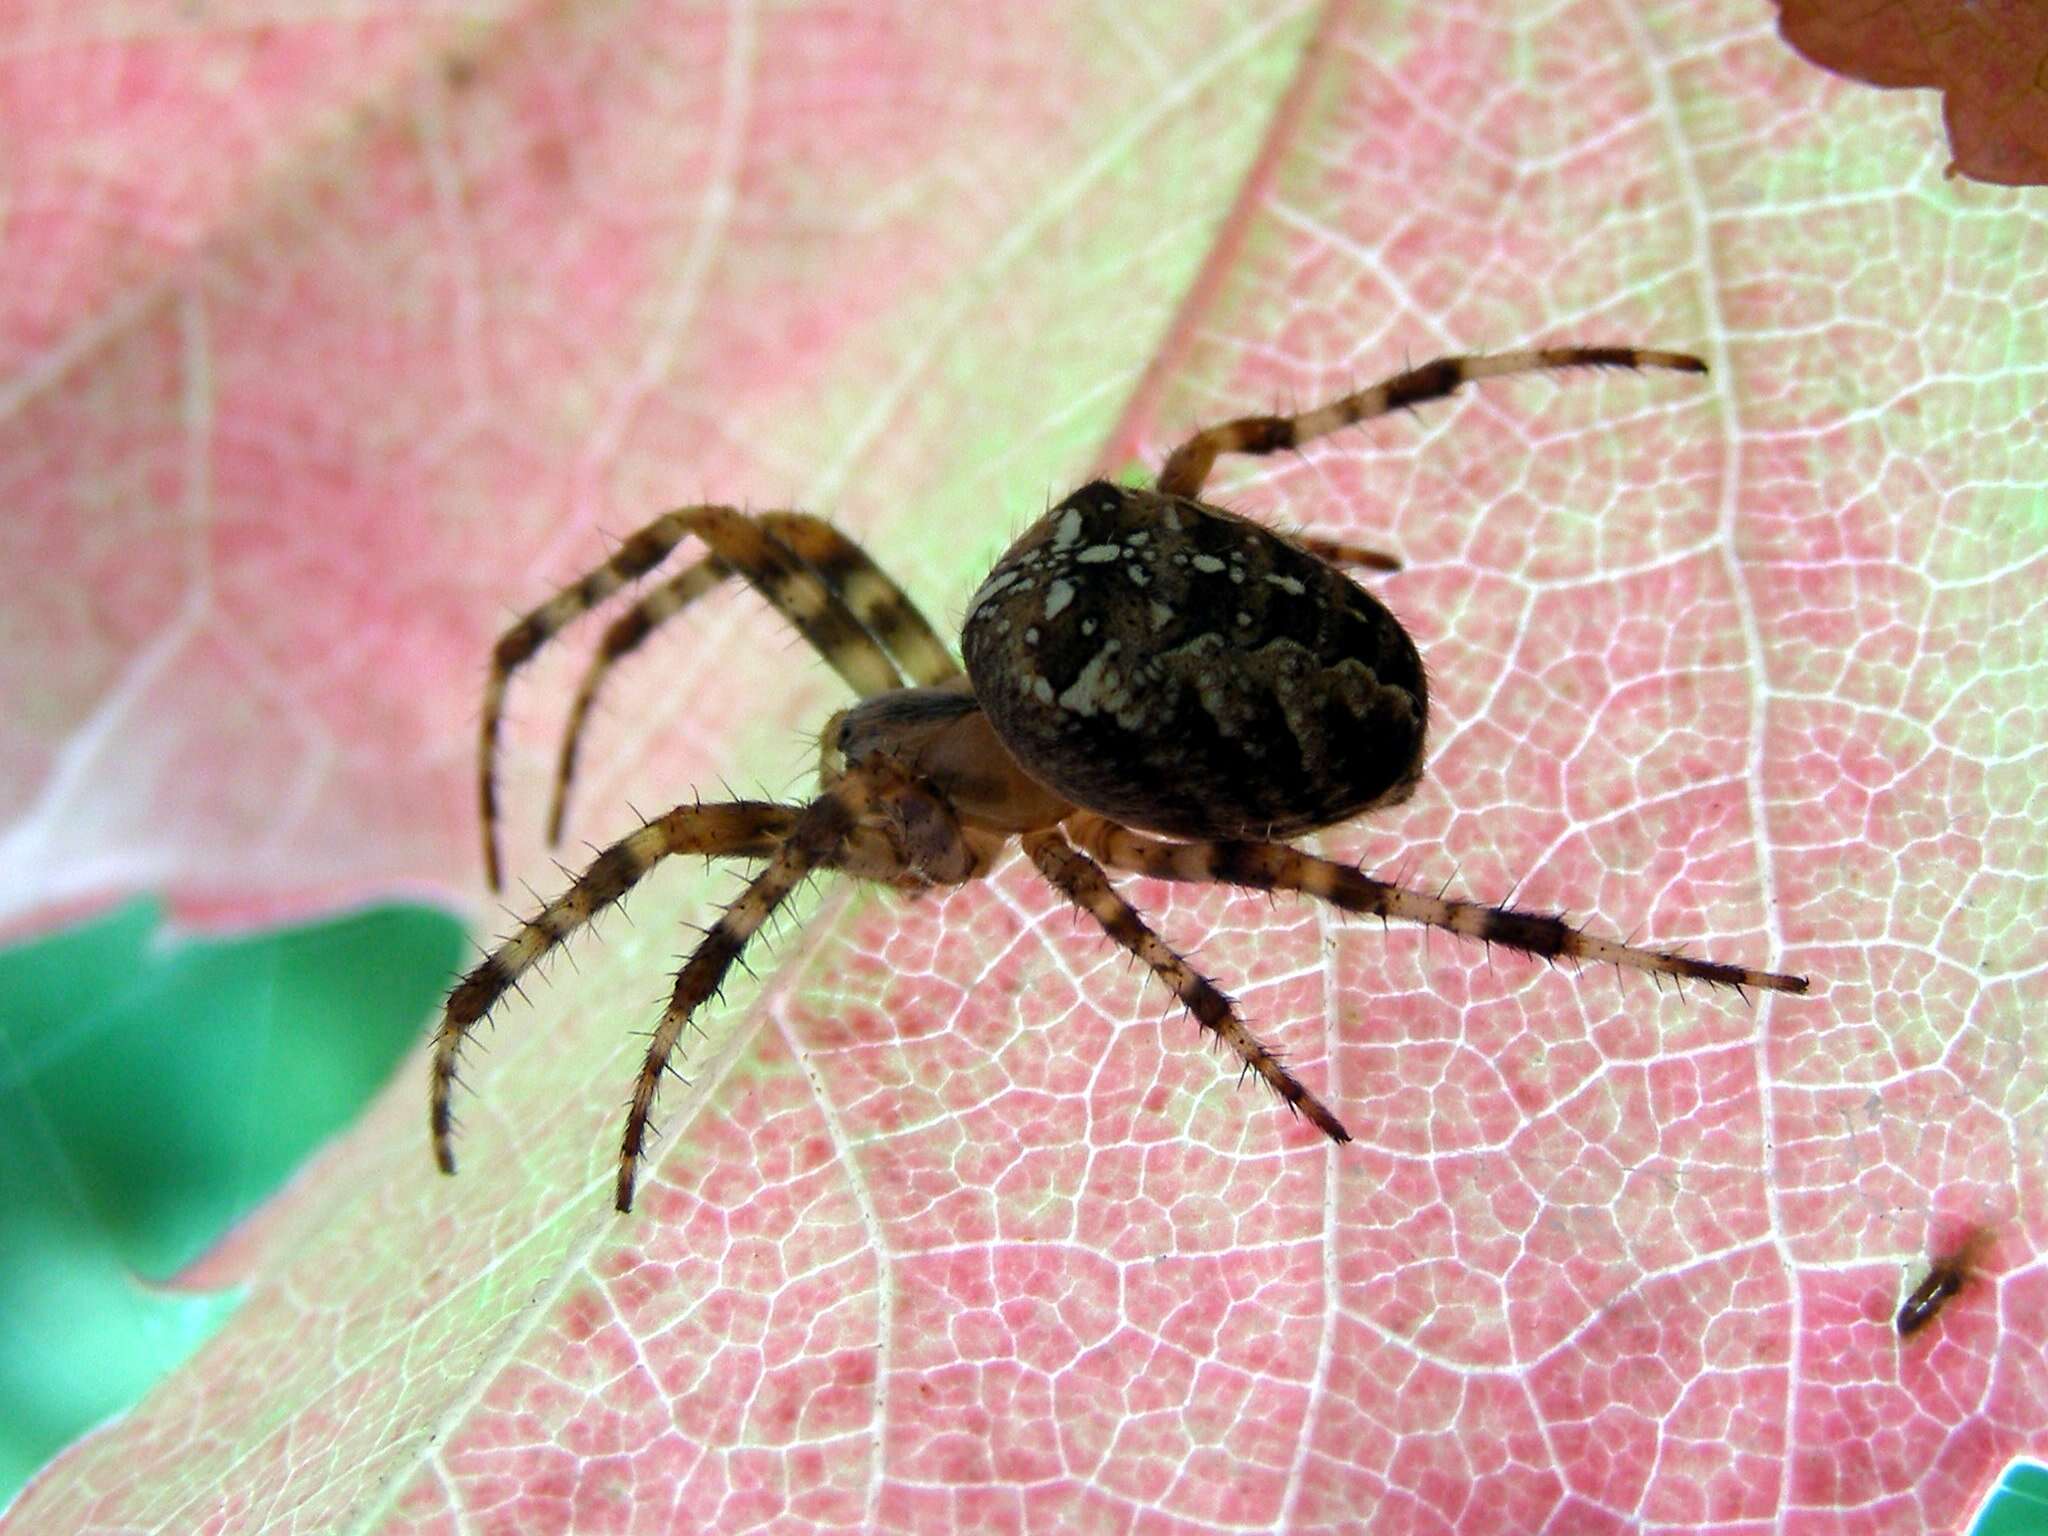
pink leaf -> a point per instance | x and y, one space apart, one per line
334 346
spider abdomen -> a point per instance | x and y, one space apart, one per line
1174 666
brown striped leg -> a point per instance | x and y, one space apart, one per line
621 639
1277 867
874 789
1078 878
1188 466
742 544
873 595
749 829
881 606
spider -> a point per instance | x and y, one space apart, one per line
1153 685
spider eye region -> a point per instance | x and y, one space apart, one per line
1174 666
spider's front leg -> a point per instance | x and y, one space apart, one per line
743 829
848 573
738 542
875 822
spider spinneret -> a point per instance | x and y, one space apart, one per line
1153 685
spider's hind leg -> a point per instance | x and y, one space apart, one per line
1078 878
1187 467
1277 867
1338 552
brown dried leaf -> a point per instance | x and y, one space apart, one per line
1989 61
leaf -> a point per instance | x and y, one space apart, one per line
151 1094
951 1229
1986 60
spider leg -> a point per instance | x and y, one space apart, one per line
875 599
741 829
1337 552
1187 467
1081 880
1277 867
874 788
743 545
621 639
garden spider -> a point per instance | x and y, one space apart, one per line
1152 684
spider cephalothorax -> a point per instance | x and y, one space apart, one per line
1139 662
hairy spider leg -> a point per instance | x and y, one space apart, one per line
848 572
621 638
1337 552
1277 867
1081 880
875 597
875 789
741 829
1187 467
736 538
